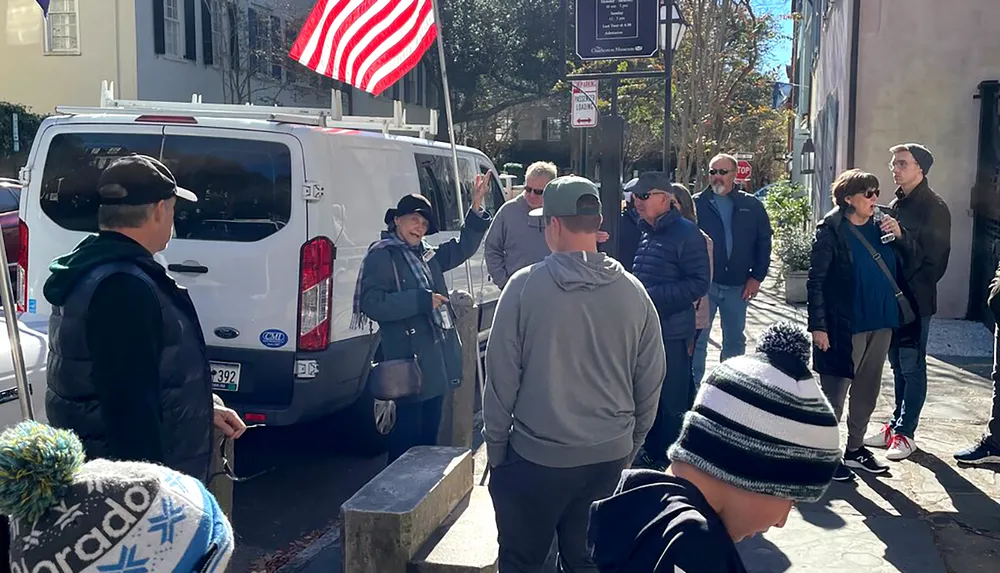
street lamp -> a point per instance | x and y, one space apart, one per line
808 157
670 39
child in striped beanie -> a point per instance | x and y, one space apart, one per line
760 437
67 516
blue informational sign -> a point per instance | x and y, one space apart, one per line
616 29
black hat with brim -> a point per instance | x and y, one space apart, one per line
139 180
410 204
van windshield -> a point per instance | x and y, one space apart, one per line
243 186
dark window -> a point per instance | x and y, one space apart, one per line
437 184
10 198
495 197
72 167
243 186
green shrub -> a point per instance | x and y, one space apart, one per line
794 249
787 206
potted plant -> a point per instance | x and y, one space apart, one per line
794 250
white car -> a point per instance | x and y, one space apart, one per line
288 205
34 346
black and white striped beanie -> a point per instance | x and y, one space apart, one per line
761 423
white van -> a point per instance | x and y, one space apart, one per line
288 204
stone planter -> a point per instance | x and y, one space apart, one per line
795 287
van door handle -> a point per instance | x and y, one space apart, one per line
197 269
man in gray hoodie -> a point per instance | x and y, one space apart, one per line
574 366
516 240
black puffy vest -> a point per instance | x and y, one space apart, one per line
71 400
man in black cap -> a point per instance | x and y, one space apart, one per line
926 221
127 369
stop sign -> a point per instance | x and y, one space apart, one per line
743 170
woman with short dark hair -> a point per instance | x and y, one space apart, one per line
853 308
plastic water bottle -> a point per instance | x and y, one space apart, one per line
878 216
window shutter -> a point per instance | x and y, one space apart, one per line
159 43
207 39
190 32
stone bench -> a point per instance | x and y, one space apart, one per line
386 523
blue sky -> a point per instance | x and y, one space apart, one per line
781 55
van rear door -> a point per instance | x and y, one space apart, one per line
237 251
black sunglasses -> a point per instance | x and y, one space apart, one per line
870 193
645 195
719 171
535 191
227 468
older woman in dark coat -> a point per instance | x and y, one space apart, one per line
853 310
416 318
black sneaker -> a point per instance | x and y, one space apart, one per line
863 459
843 473
982 453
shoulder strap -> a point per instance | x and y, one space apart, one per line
875 255
409 330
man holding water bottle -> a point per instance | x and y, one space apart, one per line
926 222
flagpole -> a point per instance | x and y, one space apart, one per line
451 131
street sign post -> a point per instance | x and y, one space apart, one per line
743 171
747 156
616 29
584 99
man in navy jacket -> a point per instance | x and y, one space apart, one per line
672 263
741 233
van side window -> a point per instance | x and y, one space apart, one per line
436 183
494 199
72 168
244 187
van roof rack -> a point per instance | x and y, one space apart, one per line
331 118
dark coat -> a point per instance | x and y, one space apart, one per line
186 401
672 263
751 237
926 222
629 236
398 311
831 295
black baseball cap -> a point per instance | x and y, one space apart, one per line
652 180
410 204
139 180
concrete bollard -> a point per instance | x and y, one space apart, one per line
456 419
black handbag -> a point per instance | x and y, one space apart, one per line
397 378
905 310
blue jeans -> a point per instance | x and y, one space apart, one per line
728 302
909 369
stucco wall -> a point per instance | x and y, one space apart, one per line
919 68
829 105
41 81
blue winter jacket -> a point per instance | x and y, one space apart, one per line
751 237
672 263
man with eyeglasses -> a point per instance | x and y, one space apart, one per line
927 222
741 235
515 240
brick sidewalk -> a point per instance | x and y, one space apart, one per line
926 516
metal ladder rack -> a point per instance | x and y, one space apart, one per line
330 118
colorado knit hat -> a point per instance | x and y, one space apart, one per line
761 423
68 516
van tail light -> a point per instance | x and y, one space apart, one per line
315 293
21 290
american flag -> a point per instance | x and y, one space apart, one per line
369 44
45 6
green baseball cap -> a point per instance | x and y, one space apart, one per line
562 194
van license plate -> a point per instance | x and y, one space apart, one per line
225 376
